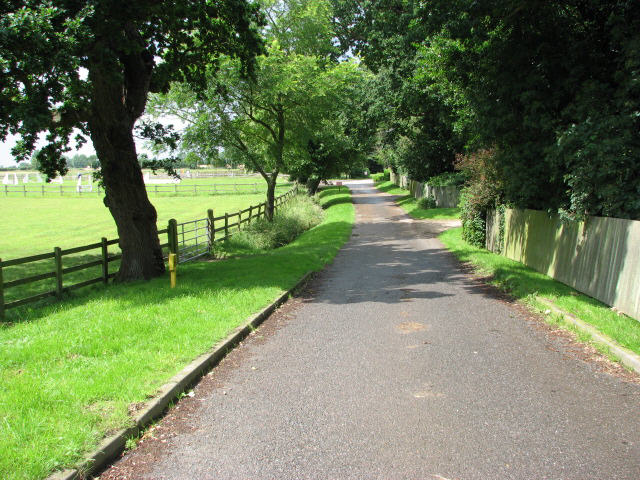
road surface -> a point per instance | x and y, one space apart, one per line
398 365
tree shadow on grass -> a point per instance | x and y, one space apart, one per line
279 269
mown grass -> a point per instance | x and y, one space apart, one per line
527 284
410 205
69 372
36 225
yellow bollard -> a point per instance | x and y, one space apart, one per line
173 268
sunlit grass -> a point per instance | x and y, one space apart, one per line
70 370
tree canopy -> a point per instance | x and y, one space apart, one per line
288 117
548 92
90 66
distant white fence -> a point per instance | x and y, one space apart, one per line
48 190
599 257
446 197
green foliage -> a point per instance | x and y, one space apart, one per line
134 48
481 194
413 124
292 115
554 87
298 215
448 179
384 176
427 203
473 219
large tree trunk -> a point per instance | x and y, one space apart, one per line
127 200
115 109
312 185
271 196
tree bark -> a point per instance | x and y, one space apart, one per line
115 109
271 196
312 185
127 200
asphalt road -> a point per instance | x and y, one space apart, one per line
397 365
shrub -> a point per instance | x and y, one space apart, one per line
427 203
382 177
448 179
300 214
482 194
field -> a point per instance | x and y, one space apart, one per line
69 371
160 185
35 225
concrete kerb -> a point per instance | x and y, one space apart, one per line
627 357
113 445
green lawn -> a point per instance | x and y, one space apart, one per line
526 284
35 225
70 370
410 205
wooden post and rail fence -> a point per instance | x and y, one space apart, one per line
188 241
49 190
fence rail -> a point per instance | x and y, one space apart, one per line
189 240
43 190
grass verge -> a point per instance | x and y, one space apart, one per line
70 372
527 284
410 205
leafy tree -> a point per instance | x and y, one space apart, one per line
277 120
91 66
553 88
416 125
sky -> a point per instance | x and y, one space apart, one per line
7 160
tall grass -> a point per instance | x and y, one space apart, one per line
298 215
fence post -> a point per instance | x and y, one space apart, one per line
24 189
105 261
212 229
61 192
58 259
239 219
1 293
226 225
155 189
6 190
250 212
172 232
